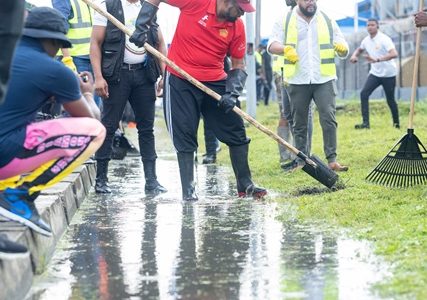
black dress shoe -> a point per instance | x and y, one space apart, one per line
362 126
396 125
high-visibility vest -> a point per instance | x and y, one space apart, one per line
258 57
80 28
325 41
278 63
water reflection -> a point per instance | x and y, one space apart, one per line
127 246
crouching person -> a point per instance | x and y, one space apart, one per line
44 151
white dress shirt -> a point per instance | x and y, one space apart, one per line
308 65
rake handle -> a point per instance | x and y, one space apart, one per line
200 85
415 73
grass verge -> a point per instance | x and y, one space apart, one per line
395 220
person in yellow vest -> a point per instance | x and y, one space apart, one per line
79 21
259 74
284 128
309 40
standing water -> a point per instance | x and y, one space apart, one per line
128 246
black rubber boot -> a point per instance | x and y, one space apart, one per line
101 184
152 186
239 161
186 171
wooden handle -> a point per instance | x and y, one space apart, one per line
415 73
197 83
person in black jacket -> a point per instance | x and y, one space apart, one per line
125 72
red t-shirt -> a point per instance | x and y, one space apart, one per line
201 42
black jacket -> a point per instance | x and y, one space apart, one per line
113 47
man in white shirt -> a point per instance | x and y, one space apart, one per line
309 40
122 74
380 54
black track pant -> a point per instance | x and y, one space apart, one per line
183 105
371 84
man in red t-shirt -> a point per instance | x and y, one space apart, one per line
207 31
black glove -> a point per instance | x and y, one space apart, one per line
233 87
142 24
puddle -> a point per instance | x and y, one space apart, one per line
126 246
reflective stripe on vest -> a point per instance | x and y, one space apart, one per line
324 39
80 28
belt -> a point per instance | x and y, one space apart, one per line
131 67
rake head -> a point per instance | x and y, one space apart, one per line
404 166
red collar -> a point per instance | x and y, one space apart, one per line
212 11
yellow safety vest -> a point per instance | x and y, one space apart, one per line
278 63
325 41
80 28
258 57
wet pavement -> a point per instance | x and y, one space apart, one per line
128 246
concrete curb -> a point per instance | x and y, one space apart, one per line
57 206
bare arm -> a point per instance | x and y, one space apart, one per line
96 40
238 63
276 48
355 54
65 52
79 108
85 106
390 55
162 49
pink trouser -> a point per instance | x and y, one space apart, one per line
52 150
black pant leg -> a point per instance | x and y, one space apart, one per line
228 128
181 104
210 140
389 84
372 82
112 112
143 100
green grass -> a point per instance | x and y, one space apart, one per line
395 220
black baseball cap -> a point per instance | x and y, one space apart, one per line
46 23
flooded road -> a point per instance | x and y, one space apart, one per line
128 246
